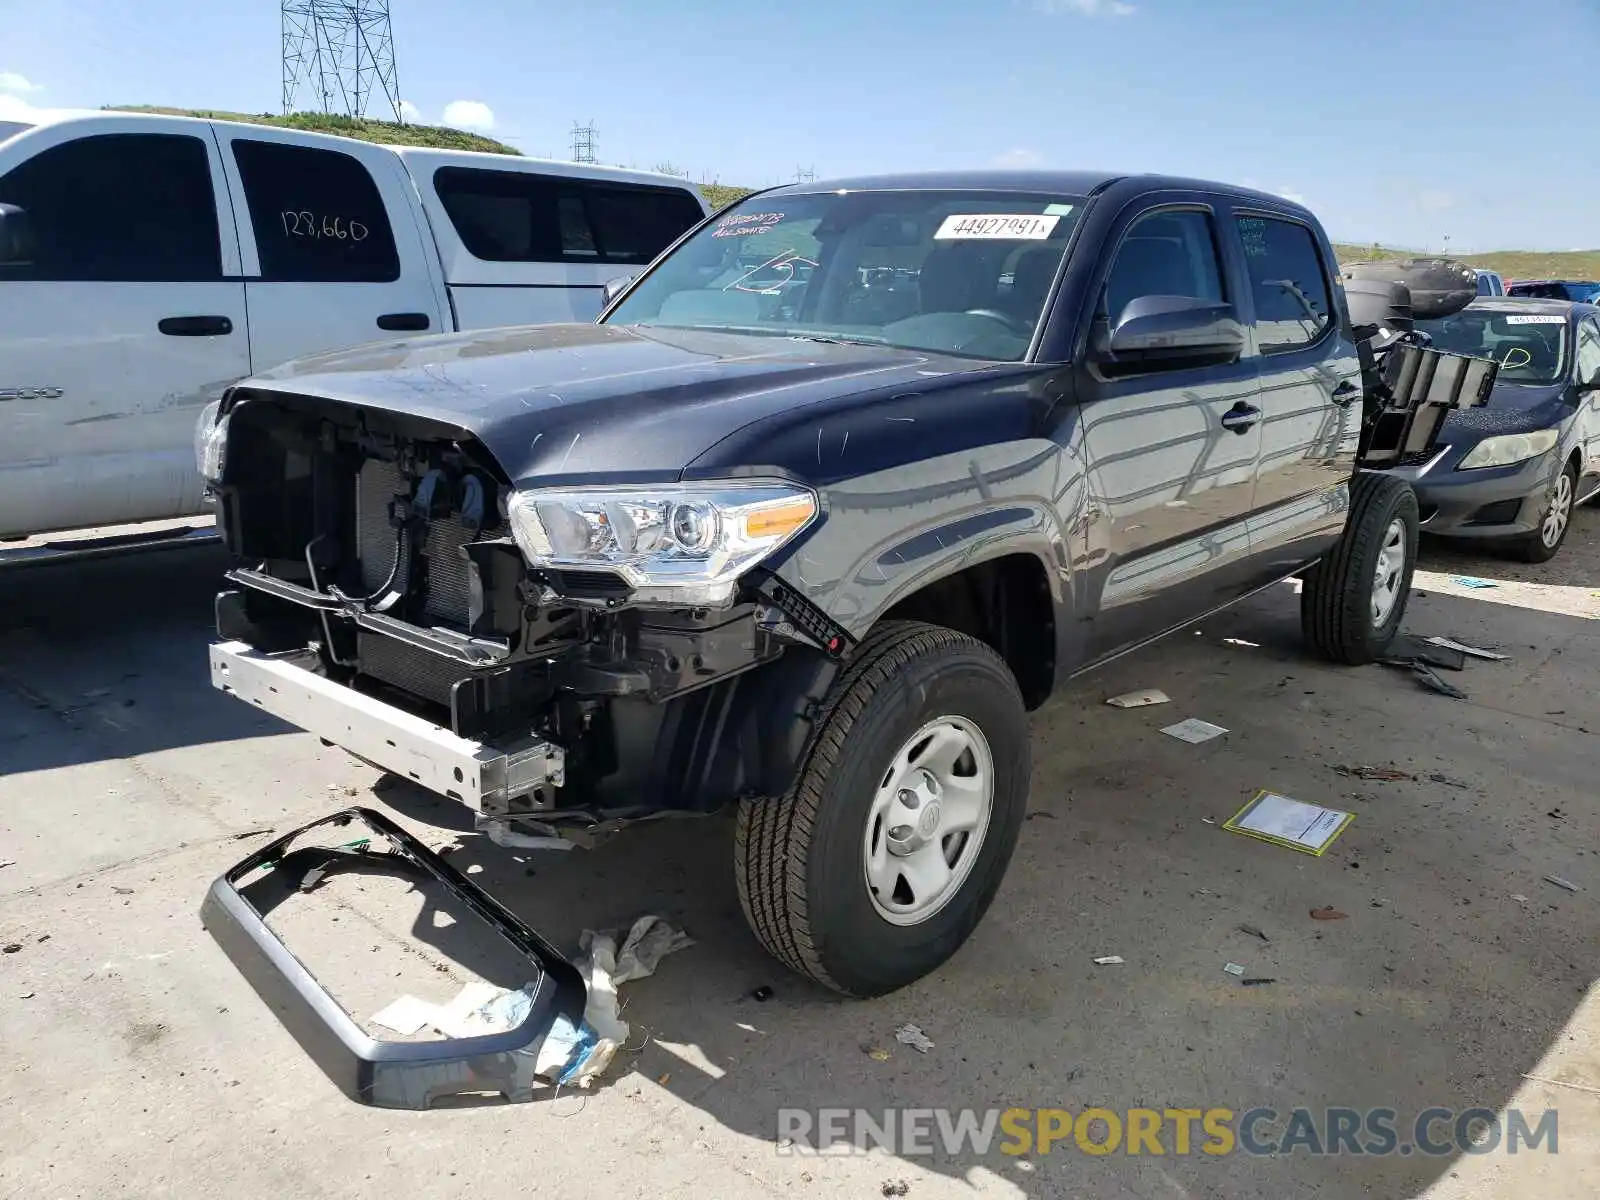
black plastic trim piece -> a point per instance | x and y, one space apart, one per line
411 1075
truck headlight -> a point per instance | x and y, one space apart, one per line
211 443
1507 449
678 544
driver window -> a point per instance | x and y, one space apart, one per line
1164 254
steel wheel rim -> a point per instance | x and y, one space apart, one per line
1391 566
1559 512
928 819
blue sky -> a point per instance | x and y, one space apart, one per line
1305 99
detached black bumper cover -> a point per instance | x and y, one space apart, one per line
384 1074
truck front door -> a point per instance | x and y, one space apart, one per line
331 245
1170 448
120 322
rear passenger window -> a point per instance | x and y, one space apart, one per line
513 216
318 216
1288 282
118 208
1164 254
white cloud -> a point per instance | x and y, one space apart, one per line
468 114
1434 200
10 81
1018 159
410 113
1288 193
1086 8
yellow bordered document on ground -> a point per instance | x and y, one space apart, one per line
1292 823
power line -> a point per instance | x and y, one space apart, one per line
342 51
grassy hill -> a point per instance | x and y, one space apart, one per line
1513 264
388 132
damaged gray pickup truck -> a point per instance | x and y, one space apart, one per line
832 495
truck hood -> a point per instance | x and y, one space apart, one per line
565 403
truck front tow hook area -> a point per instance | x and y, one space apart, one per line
386 1074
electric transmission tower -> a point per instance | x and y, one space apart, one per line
342 51
583 143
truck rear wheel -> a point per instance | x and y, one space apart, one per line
1354 599
883 856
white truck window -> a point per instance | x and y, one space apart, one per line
118 208
514 216
318 216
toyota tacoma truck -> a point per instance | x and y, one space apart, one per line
824 502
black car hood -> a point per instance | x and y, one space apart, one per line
569 402
1512 408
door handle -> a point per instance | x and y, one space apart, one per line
1240 417
195 326
404 322
1345 394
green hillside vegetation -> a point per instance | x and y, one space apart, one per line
1512 264
387 132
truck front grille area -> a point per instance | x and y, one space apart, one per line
413 670
447 597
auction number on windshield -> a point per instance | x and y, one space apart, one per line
309 225
1017 226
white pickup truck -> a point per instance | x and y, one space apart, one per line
147 262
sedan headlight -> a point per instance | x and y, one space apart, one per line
211 443
677 544
1508 449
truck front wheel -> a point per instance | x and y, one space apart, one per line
883 856
1353 600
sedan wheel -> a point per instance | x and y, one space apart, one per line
1541 545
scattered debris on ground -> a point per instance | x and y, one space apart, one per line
895 1187
1406 651
1109 960
10 948
1381 774
1464 648
1519 897
1436 777
1472 581
1233 968
1564 884
1257 982
1140 699
1328 913
877 1054
121 891
8 862
912 1035
250 833
762 994
1430 681
1194 731
1253 932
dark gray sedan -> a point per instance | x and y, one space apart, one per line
1513 470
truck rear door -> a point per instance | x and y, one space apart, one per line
1310 391
333 252
124 320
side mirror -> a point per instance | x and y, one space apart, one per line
613 288
16 235
1176 327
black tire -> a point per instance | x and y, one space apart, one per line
1534 548
798 858
1336 601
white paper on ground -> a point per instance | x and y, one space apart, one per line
1307 825
406 1016
1140 698
1194 730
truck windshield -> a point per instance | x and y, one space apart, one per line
1530 347
954 272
